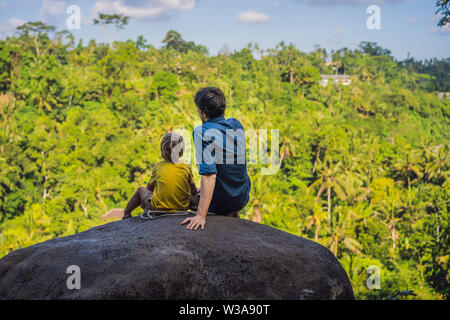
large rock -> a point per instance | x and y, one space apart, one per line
159 259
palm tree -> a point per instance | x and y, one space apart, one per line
388 209
318 215
141 43
355 189
337 61
119 21
258 196
407 168
364 161
437 163
330 178
428 157
173 39
341 229
443 9
287 149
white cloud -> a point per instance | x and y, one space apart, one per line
338 30
252 16
349 2
443 31
142 9
52 10
7 28
414 20
436 17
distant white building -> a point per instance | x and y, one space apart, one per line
444 94
335 78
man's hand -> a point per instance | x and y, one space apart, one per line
195 222
206 191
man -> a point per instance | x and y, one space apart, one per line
220 153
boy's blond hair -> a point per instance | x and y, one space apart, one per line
172 147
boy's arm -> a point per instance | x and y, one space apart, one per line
206 192
151 186
192 186
193 189
152 182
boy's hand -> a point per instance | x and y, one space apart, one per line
195 222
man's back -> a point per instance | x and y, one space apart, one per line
220 150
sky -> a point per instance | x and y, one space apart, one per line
406 26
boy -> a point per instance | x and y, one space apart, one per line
220 153
171 185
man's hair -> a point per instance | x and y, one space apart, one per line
211 101
172 147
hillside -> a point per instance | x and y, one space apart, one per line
364 171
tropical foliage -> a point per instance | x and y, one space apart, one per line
365 167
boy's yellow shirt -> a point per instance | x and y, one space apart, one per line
171 185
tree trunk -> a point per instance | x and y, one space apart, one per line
393 236
335 251
46 193
317 159
329 204
85 211
437 231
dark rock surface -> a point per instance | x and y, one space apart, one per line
159 259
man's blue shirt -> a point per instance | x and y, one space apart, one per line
220 149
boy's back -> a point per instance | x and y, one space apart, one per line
171 183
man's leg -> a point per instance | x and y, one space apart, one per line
137 200
233 214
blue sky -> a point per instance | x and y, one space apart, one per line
406 25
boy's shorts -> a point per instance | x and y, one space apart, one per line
147 202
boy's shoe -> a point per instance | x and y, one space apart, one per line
146 215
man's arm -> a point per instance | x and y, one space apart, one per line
208 183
